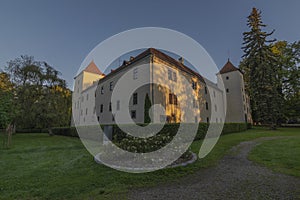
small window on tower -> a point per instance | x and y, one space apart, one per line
227 77
135 98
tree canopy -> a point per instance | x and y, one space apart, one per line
42 97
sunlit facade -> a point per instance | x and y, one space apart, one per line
93 90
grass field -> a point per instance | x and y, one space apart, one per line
280 155
42 167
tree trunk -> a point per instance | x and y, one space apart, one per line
9 131
50 132
273 126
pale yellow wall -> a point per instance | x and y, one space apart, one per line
161 94
106 117
236 99
84 84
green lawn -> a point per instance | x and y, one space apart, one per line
280 155
42 167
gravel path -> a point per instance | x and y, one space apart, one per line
235 177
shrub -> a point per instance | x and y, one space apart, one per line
65 131
28 130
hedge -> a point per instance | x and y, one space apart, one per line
65 131
168 129
32 130
141 145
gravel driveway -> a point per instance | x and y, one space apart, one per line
235 177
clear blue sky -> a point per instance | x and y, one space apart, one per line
63 32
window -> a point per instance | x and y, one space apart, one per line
101 108
135 73
169 74
102 90
206 105
135 98
205 88
81 112
95 94
98 118
194 85
86 111
82 98
111 86
133 114
215 107
118 105
207 119
109 107
195 104
87 97
214 93
227 77
196 119
113 117
227 90
174 76
217 120
170 98
75 105
173 99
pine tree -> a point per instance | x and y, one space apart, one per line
261 72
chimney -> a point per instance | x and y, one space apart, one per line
181 60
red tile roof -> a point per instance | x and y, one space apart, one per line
92 68
229 67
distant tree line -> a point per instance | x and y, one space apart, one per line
271 73
33 95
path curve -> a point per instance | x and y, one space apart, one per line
235 177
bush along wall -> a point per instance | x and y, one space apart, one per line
134 144
65 131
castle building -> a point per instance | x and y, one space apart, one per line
93 90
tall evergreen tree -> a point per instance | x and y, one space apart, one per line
261 72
